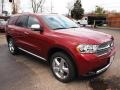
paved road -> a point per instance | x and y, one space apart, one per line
24 72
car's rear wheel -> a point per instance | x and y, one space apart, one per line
62 67
12 47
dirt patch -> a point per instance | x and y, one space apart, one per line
112 83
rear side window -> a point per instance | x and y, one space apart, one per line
12 20
22 21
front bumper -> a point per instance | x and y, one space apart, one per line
90 64
102 69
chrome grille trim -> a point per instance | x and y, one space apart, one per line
104 48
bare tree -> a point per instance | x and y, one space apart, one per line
99 11
37 4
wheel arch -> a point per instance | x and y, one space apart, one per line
64 50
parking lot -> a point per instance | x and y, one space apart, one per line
25 72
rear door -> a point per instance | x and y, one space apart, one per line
20 31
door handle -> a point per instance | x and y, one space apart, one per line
12 29
26 33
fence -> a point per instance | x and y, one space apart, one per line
110 23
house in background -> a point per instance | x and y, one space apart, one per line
7 6
113 19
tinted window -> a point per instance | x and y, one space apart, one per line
59 22
32 20
22 21
12 20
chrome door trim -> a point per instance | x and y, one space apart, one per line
32 54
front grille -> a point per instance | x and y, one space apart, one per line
104 48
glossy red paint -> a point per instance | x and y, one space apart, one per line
41 43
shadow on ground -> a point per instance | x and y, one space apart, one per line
113 83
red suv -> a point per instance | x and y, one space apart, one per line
69 49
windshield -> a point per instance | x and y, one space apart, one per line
56 22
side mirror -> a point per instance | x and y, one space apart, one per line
36 27
78 22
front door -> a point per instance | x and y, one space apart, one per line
35 39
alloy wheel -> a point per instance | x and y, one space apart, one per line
11 46
60 67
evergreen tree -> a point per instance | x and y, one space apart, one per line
77 11
99 11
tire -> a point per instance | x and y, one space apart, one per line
12 47
62 67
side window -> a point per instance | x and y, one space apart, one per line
12 20
22 21
32 20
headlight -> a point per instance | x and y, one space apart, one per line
87 48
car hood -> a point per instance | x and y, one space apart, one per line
83 35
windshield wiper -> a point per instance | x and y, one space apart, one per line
64 28
59 28
73 27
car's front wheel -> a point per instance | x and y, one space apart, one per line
11 45
62 67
